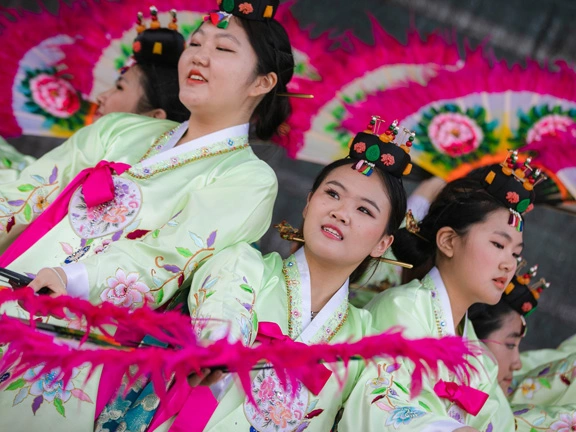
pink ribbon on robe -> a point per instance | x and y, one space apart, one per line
468 398
97 188
314 378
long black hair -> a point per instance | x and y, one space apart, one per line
487 319
461 204
396 194
274 52
161 89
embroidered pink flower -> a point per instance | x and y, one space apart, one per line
360 147
455 134
39 203
280 415
54 95
266 391
567 423
102 247
133 204
512 197
116 215
529 208
387 159
527 307
125 290
245 8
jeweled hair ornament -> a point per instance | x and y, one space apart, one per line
519 294
372 149
512 183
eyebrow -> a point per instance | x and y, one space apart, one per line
515 335
219 36
507 237
369 201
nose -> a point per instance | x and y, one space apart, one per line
101 98
509 265
341 215
200 56
517 362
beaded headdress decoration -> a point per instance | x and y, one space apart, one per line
156 45
372 149
256 10
512 183
519 294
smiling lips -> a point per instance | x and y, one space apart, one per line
196 77
332 232
500 283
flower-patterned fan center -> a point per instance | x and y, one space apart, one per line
277 409
108 217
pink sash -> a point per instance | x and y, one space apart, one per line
468 398
97 187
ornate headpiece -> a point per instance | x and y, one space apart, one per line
156 45
372 149
512 183
521 296
256 10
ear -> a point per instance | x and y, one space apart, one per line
306 207
446 239
264 84
382 246
157 113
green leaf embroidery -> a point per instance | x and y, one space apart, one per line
25 187
545 382
209 293
401 387
28 212
59 407
155 233
379 390
423 405
247 288
160 296
6 162
254 321
19 383
185 252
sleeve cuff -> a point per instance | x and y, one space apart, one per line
77 284
419 206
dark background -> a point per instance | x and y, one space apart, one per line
515 29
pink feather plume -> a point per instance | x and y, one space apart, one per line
29 348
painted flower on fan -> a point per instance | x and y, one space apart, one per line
528 387
567 423
455 134
360 147
549 125
39 203
512 197
125 290
47 386
387 159
55 95
245 8
116 215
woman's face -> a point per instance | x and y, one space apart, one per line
504 344
483 260
345 218
123 97
217 72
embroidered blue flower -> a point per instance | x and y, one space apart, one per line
403 415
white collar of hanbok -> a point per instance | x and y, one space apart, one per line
170 149
164 155
448 327
329 317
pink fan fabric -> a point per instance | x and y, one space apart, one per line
97 187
